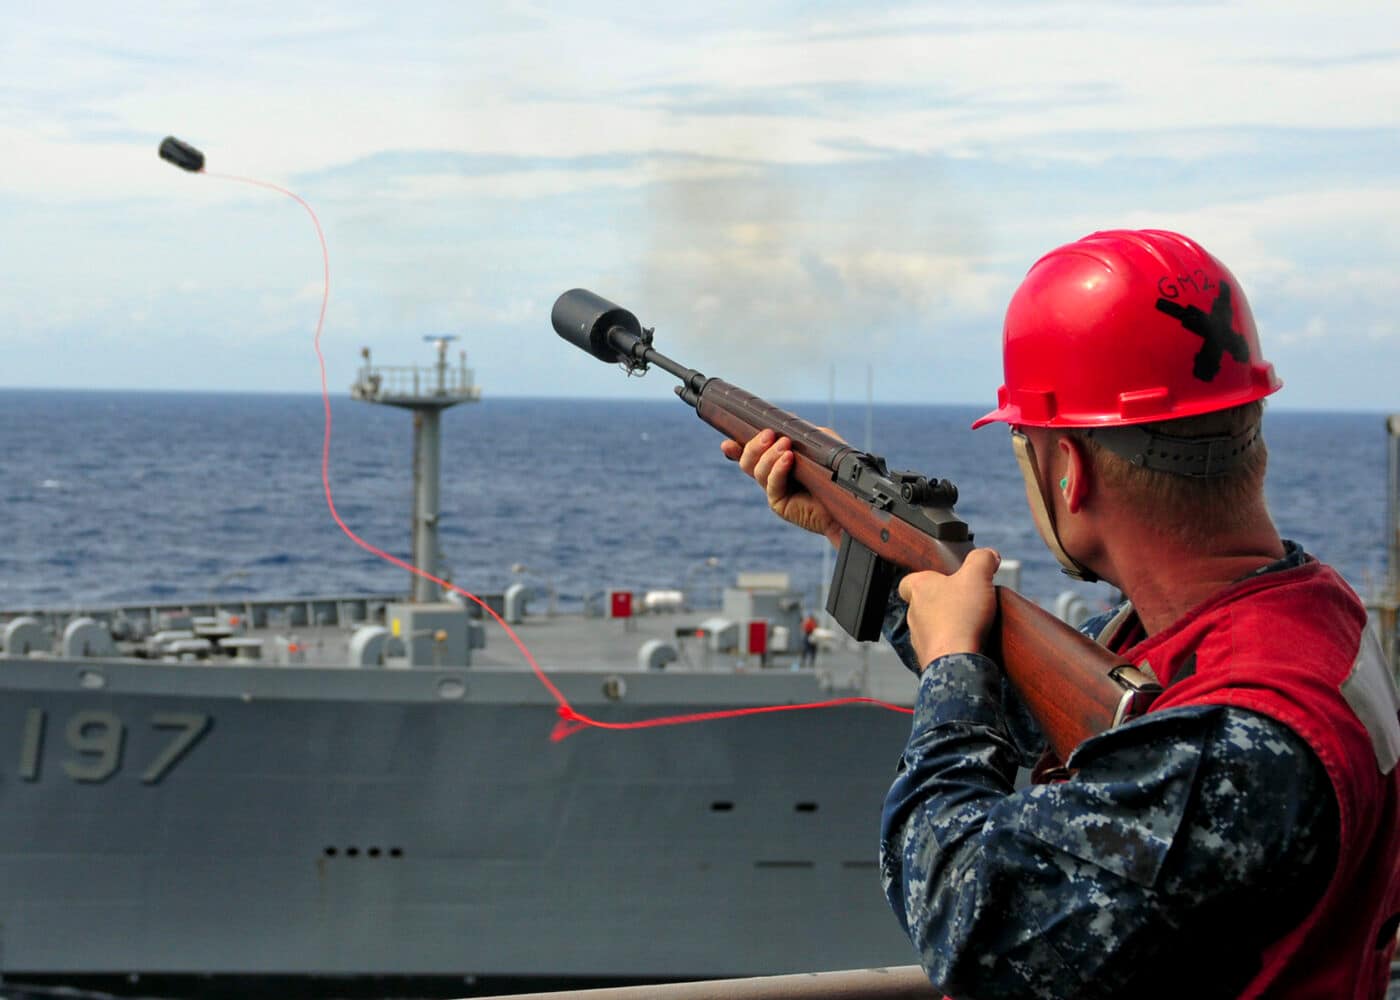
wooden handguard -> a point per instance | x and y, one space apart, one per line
1073 686
741 415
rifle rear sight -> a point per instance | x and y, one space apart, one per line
915 488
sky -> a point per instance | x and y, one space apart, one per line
800 197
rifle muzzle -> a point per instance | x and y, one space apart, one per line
587 321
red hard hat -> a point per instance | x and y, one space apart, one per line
1125 327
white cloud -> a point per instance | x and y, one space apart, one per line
1383 329
533 182
1315 328
271 95
719 160
1265 240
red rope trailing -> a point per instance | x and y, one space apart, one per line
570 719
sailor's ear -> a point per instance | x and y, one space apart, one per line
1075 472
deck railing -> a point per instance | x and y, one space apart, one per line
412 381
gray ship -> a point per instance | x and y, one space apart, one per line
360 794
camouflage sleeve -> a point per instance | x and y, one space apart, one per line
896 631
1186 841
1026 735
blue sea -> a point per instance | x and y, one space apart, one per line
124 497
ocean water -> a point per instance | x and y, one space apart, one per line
110 497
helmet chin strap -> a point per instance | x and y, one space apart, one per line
1025 458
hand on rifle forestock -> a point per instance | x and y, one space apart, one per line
952 613
770 460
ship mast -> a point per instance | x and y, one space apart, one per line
427 391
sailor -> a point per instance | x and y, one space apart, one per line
1242 838
809 640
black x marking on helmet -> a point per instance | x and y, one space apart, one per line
1214 327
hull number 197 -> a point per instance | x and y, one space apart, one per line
95 742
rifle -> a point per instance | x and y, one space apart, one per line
889 520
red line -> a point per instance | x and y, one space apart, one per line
570 719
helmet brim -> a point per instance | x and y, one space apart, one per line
1002 414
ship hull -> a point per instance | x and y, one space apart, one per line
270 821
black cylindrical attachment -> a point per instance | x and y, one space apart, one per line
182 154
584 319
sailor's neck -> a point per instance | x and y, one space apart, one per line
1169 580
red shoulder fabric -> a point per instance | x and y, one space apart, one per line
1294 645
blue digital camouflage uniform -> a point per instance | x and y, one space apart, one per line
1186 841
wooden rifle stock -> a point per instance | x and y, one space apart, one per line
1073 686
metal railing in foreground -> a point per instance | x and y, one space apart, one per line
906 982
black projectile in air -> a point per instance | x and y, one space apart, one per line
182 154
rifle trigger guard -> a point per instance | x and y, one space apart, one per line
1139 692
